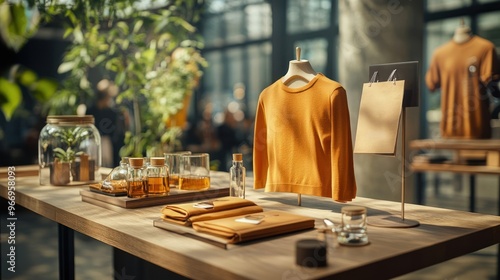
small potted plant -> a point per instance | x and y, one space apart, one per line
61 169
65 169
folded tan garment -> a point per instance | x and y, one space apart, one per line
271 223
186 213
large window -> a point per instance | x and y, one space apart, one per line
248 46
244 38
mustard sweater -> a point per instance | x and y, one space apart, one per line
302 140
458 69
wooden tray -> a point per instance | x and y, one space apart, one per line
190 232
219 187
222 242
175 196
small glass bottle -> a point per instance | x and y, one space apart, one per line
157 177
136 183
353 228
237 174
116 181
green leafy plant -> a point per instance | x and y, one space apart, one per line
67 155
153 55
71 139
18 22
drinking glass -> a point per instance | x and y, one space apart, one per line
194 172
173 161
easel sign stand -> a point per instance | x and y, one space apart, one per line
407 71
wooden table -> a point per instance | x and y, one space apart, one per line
491 147
443 234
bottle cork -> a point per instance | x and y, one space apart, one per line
136 162
157 161
237 157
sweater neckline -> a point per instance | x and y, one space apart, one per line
302 88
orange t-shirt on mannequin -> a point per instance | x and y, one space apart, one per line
459 68
302 140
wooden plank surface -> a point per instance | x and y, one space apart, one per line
20 171
456 144
456 168
443 234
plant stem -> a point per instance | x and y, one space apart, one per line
137 122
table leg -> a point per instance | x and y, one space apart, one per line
498 249
421 186
472 193
66 253
437 182
498 206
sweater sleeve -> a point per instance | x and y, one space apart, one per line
260 159
432 77
490 66
343 180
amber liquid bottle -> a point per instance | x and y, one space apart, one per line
136 181
157 177
136 189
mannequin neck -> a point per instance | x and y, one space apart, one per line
462 34
299 71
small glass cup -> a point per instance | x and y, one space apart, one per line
194 172
353 228
173 161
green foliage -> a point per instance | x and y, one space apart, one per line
11 97
22 78
67 155
18 22
152 55
71 138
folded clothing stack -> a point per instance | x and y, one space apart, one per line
265 224
233 219
188 213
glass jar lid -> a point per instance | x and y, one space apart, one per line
353 210
70 119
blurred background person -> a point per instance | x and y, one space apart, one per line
110 121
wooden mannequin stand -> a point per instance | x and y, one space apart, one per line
300 73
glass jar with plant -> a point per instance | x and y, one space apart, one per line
69 150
